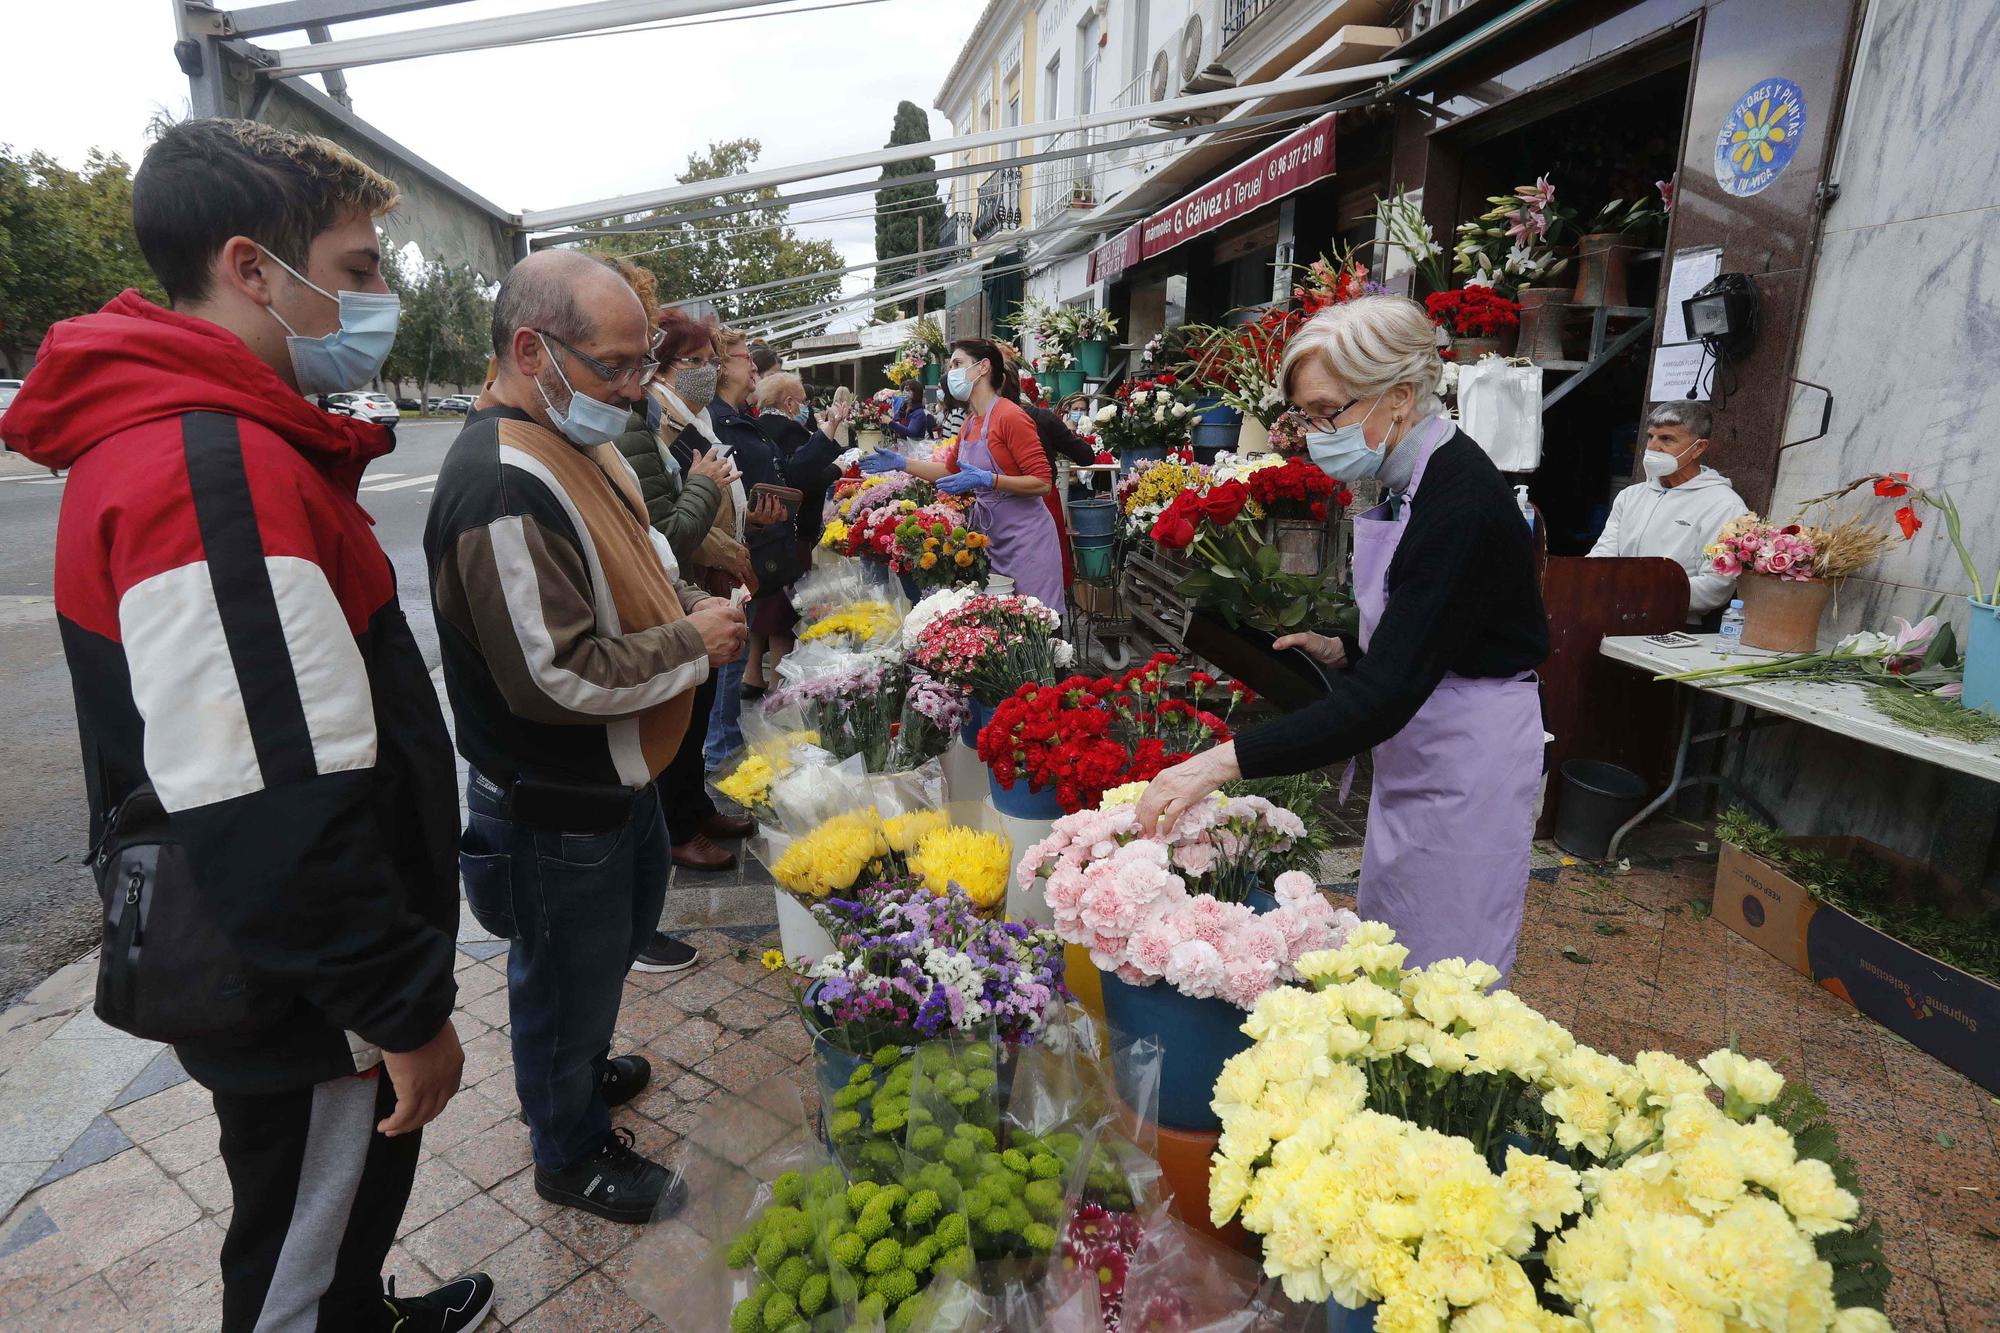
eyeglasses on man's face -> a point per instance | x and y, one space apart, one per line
615 376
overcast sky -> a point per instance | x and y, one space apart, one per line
534 126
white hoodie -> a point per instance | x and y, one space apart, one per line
1649 519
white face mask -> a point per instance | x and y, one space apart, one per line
1660 465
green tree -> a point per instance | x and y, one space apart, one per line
899 209
66 244
726 254
444 335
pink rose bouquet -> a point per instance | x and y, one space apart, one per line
1750 545
1139 904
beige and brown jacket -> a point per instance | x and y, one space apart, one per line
560 612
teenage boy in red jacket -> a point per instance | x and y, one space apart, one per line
235 642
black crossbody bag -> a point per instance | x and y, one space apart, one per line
166 972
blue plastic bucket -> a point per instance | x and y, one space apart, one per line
978 716
1132 459
1340 1319
1020 802
1982 658
1093 518
1195 1038
1216 424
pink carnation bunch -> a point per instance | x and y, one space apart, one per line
1125 896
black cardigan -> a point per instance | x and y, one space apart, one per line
807 460
1463 598
1058 440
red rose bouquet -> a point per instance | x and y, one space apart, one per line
1082 737
1241 579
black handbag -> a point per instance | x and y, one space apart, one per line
166 973
777 556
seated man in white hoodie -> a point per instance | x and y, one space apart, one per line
1679 508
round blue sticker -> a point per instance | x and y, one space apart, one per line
1760 137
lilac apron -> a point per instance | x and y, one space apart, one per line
1446 858
1025 547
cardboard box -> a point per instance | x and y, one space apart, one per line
1953 1015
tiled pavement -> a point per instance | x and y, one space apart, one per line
126 1198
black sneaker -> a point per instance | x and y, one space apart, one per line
456 1307
615 1183
623 1078
665 954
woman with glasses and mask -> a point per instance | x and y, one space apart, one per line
1441 680
1001 464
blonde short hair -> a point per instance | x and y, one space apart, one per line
776 385
728 340
1371 344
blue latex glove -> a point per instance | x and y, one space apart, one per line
882 461
965 480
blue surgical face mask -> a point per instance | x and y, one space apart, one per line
959 381
586 421
1343 453
350 356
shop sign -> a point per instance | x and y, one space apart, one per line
1110 260
1296 162
1760 137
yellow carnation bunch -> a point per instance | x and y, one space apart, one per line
833 857
977 862
833 536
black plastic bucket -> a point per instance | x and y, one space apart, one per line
1597 800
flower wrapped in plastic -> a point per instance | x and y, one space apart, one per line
987 645
1136 901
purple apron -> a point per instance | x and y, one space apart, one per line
1452 814
1025 547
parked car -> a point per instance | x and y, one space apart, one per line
459 403
8 388
364 406
409 405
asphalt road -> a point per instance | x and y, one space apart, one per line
48 909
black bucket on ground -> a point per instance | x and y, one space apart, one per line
1597 800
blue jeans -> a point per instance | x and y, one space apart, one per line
725 730
577 908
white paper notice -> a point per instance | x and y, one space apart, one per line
1678 365
1676 369
1692 271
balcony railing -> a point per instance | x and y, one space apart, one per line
1069 182
1427 14
956 233
1240 14
999 207
1133 94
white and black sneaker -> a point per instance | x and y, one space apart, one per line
456 1307
666 954
615 1183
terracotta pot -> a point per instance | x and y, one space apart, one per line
1466 349
1600 274
1301 545
1783 615
1542 311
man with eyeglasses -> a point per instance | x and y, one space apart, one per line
571 648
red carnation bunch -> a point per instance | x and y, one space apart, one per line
1297 490
1082 737
1473 312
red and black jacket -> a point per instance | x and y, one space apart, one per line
233 636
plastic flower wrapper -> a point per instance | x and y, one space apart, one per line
839 583
931 716
853 700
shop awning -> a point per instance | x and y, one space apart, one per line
1423 66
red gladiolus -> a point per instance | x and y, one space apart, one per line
1907 520
1891 486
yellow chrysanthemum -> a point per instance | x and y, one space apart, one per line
750 785
906 831
863 622
833 857
977 862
